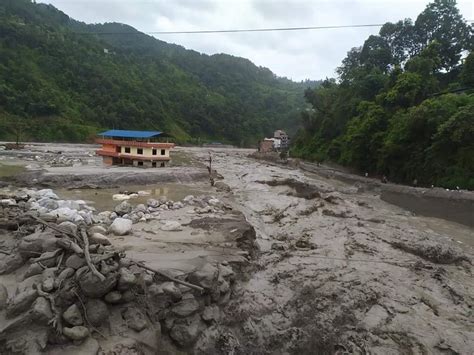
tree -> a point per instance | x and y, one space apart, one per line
442 22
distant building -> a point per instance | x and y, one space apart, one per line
266 146
283 137
136 148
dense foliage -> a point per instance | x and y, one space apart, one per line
64 80
403 105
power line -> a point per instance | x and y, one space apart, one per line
276 29
237 30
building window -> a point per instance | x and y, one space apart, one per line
162 164
163 152
153 152
127 149
118 149
153 164
139 151
140 163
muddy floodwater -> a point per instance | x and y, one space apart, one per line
322 265
9 169
102 199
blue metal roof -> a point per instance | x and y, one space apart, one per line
130 134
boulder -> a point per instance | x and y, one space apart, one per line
135 319
67 214
171 226
44 193
48 285
98 229
7 202
65 274
140 208
126 279
48 203
97 311
41 311
120 197
75 262
90 346
185 307
120 226
214 202
123 208
151 202
68 227
93 287
33 269
186 332
205 277
221 186
99 238
76 333
211 314
21 302
10 263
172 290
188 199
113 297
3 296
177 205
226 272
73 315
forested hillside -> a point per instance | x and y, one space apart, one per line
64 80
403 104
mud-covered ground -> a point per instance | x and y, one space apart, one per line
337 270
342 270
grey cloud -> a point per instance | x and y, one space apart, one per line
296 54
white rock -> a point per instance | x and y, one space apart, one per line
120 197
143 193
177 205
214 201
8 202
98 238
120 226
67 214
188 198
171 226
46 193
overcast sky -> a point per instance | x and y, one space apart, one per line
297 55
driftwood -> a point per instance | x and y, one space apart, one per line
59 230
69 245
161 273
47 257
94 270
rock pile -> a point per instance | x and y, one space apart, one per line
75 285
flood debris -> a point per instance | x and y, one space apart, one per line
75 283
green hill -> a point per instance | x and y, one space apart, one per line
64 80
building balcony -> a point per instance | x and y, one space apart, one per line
131 143
107 153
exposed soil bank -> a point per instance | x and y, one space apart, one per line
456 206
77 166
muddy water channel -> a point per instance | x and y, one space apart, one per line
10 169
102 199
343 270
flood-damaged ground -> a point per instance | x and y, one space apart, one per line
277 261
